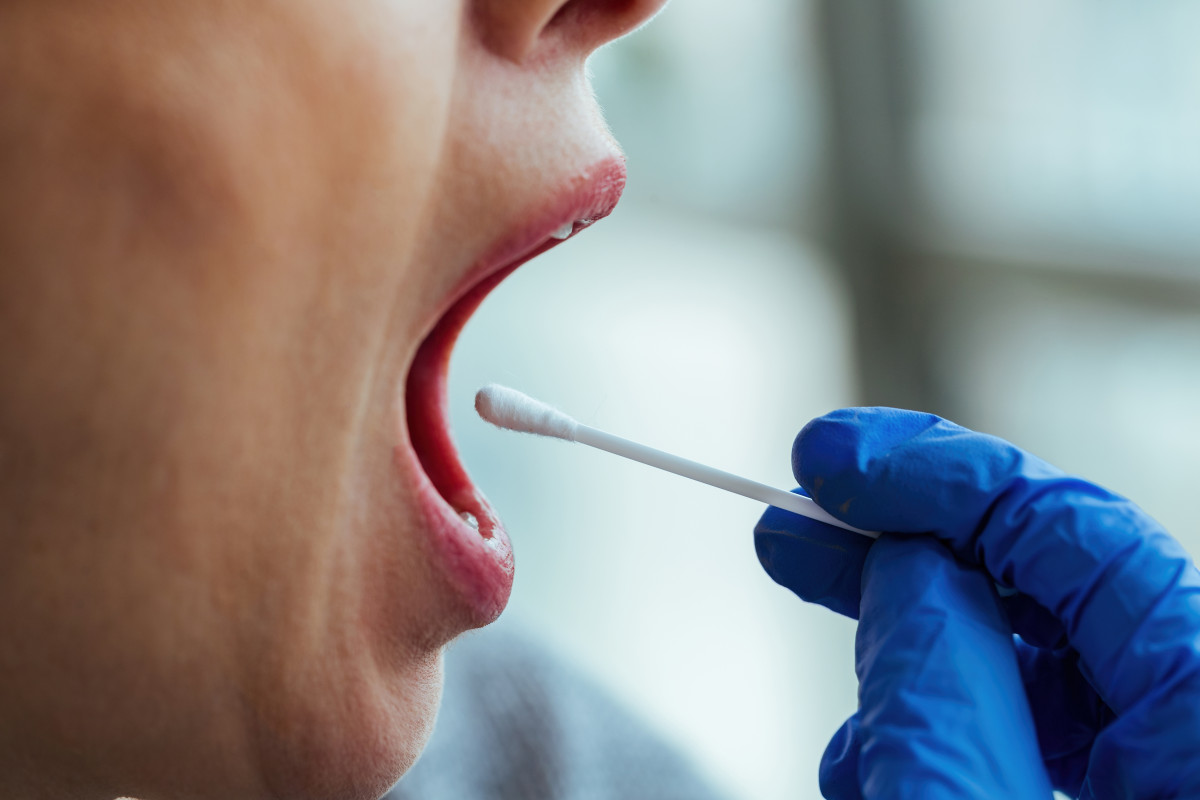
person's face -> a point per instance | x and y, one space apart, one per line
233 240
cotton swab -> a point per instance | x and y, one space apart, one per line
510 409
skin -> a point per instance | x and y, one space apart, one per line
225 228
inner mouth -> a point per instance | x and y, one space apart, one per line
427 410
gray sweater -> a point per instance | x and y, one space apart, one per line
516 724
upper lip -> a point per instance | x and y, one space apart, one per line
588 198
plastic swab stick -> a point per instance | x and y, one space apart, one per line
510 409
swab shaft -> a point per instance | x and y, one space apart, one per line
710 475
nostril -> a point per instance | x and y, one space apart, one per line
593 23
511 28
581 10
517 29
567 10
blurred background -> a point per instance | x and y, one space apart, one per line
988 211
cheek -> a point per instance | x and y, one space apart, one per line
375 95
242 187
378 95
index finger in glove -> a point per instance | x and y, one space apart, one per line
820 563
1125 591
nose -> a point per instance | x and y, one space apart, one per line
519 30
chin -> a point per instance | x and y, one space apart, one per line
354 738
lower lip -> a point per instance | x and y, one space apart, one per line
477 562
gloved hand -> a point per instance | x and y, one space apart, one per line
1099 694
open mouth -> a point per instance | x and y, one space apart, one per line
427 410
470 544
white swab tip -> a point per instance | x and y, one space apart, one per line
510 409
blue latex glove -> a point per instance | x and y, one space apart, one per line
951 704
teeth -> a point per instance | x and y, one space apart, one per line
565 231
470 519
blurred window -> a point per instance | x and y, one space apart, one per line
1065 131
1018 191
